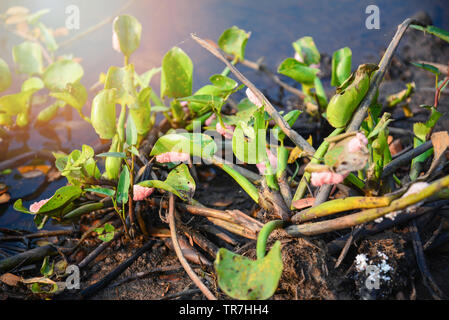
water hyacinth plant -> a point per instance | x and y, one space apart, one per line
158 141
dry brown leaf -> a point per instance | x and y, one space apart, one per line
17 10
303 203
10 279
4 198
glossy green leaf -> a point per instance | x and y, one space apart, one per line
112 164
233 41
50 112
123 186
180 179
62 197
144 79
103 113
223 82
298 71
62 72
33 83
348 96
5 76
127 30
177 72
47 268
17 103
440 33
113 154
160 185
306 48
131 132
341 66
195 144
291 118
122 79
75 95
249 142
141 112
245 279
104 191
28 57
427 67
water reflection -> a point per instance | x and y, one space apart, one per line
274 25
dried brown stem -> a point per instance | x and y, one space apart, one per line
171 219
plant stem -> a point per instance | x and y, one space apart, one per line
320 152
250 189
263 236
364 216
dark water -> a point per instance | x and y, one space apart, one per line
274 26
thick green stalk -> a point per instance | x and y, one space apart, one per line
250 189
364 216
263 236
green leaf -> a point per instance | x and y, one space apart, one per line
34 84
195 144
34 17
103 113
298 71
440 33
131 132
62 72
109 227
233 41
105 191
427 67
141 112
180 179
74 95
113 154
341 66
177 72
62 198
123 186
249 143
159 109
47 35
46 268
50 112
112 164
291 118
144 79
127 30
5 76
122 79
223 82
17 103
28 57
160 185
306 48
245 279
106 237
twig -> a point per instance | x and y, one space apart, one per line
97 286
421 260
184 263
405 158
437 92
280 121
42 234
91 256
354 235
367 215
27 257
